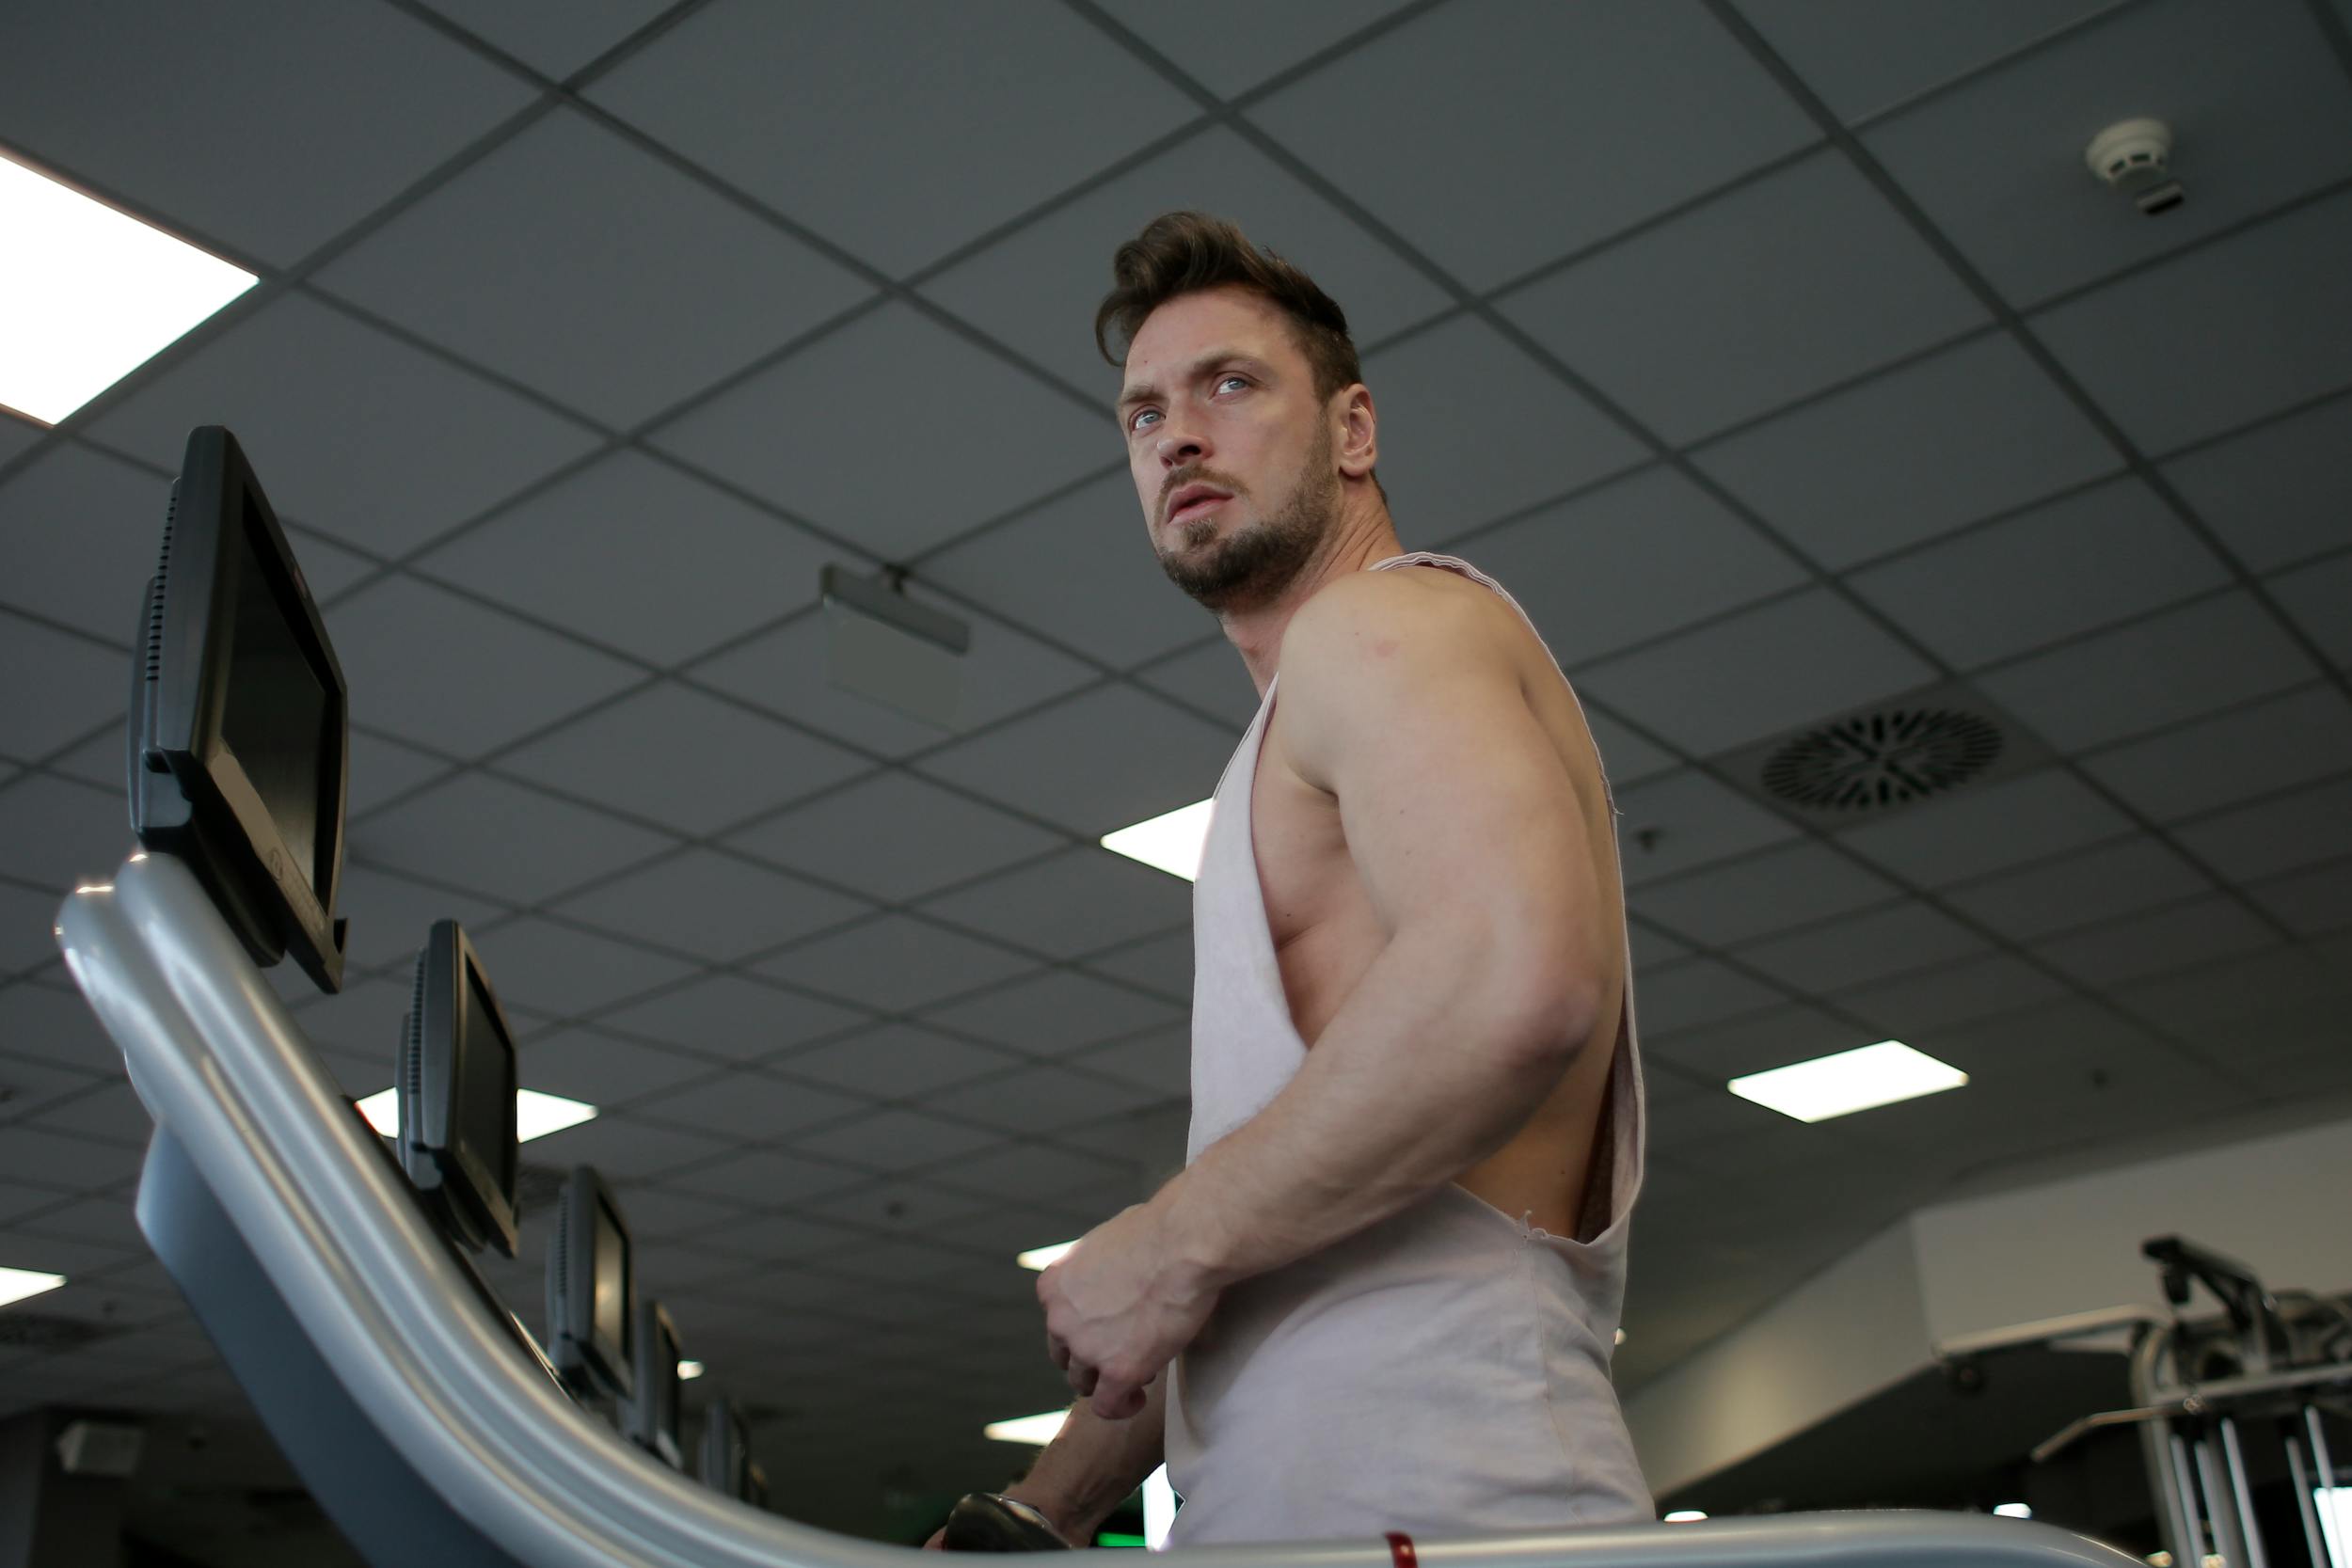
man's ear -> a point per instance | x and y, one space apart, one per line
1360 432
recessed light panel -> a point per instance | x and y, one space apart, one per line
16 1284
537 1115
1850 1080
1170 843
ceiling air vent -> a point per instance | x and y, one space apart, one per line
1889 757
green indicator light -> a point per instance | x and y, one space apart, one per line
1112 1538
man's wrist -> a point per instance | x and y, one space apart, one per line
1195 1244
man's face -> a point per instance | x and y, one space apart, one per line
1226 438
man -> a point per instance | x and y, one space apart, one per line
1383 1292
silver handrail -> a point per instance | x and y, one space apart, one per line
216 1058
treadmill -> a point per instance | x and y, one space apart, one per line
391 1378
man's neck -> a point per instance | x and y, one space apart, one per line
1362 537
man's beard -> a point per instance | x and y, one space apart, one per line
1251 566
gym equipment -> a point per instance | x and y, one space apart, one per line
420 1418
649 1416
591 1290
455 1090
2281 1361
992 1522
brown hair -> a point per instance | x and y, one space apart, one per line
1181 253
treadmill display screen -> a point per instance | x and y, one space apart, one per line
277 724
485 1098
610 1315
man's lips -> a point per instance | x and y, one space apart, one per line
1198 507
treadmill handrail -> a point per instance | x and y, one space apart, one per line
216 1057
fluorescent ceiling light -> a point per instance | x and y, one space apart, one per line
2334 1507
2013 1510
688 1371
1620 1337
1159 1509
1685 1516
88 294
1170 843
16 1284
1040 1430
1043 1257
537 1115
1850 1080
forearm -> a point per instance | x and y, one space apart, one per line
1431 1065
1092 1465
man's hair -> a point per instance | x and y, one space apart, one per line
1182 253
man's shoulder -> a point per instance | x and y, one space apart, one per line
1417 612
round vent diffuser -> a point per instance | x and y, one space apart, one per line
1873 761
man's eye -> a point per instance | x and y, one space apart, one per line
1223 381
1141 416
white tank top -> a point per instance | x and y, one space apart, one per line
1442 1373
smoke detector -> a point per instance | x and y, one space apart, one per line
2135 156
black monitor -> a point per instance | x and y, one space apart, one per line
456 1086
238 740
650 1418
727 1455
592 1290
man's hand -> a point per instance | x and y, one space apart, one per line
1120 1308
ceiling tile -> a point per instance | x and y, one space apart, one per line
748 1105
56 834
1918 451
1038 100
187 113
1830 283
895 836
1758 1042
66 1162
1034 290
2180 664
1502 87
729 1016
782 672
1230 47
683 758
1071 903
2060 894
1627 758
1038 1099
1638 557
619 1146
895 963
895 1140
1696 820
2311 902
78 687
2275 494
2207 998
501 840
1858 948
1795 884
2050 573
382 767
764 1176
2284 833
575 554
81 530
1910 1007
2160 941
903 1206
1161 963
1652 949
18 434
801 435
1764 670
1051 1013
2257 101
2247 749
2274 326
362 1020
553 37
1472 429
1862 58
716 908
28 1087
1095 762
1096 536
1699 991
1033 1173
1157 1059
113 1113
588 1064
895 1061
450 674
556 969
391 916
1212 679
1991 829
2315 596
295 378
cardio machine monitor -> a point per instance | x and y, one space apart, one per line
650 1419
456 1094
238 741
592 1290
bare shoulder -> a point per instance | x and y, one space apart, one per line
1426 615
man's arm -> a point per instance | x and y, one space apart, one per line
1403 702
1089 1470
1465 828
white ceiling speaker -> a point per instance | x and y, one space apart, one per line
2135 156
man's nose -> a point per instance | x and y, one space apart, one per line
1179 445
